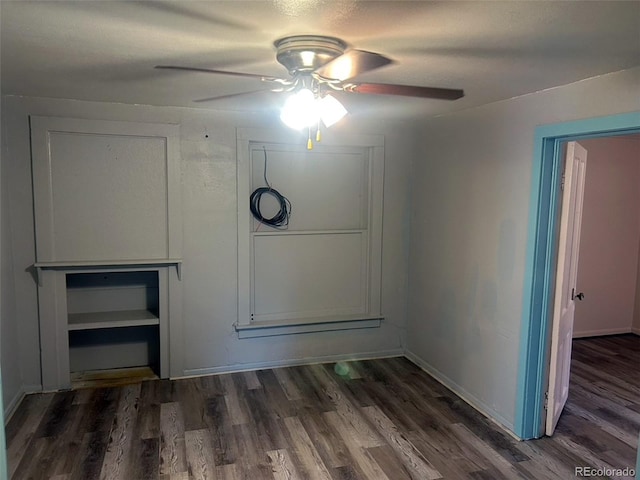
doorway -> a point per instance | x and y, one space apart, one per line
606 268
539 281
610 237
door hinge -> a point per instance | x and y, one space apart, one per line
546 400
562 183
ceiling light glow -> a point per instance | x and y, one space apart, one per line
331 110
300 110
303 109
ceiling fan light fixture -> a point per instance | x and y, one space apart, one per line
318 64
293 52
305 109
300 110
331 110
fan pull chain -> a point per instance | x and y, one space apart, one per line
309 142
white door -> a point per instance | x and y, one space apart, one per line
567 272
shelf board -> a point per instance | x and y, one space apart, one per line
89 265
113 319
107 263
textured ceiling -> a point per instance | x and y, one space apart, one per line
106 50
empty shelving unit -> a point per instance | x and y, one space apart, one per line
113 320
108 246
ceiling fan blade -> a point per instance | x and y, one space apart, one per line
352 63
231 95
404 90
264 78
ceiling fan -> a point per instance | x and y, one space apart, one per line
319 65
324 64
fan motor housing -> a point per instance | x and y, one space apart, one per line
305 53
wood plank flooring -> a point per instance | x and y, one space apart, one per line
381 419
116 377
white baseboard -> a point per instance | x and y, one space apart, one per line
243 367
11 407
15 402
603 331
469 398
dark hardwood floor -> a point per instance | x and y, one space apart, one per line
380 419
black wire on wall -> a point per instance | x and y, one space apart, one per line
281 218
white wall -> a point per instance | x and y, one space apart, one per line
208 152
3 446
9 321
608 263
470 215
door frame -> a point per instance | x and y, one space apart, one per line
541 259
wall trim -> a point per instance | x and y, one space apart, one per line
276 328
602 332
540 261
243 367
464 394
15 402
11 406
371 148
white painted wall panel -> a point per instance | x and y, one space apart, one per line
10 360
301 276
327 187
109 196
337 189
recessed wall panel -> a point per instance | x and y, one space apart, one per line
328 188
109 196
299 276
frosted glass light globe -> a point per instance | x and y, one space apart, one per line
300 110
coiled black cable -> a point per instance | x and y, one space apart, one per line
281 218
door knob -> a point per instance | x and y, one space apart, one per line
580 296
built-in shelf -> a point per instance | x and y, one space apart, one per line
113 316
106 269
88 264
108 263
113 319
